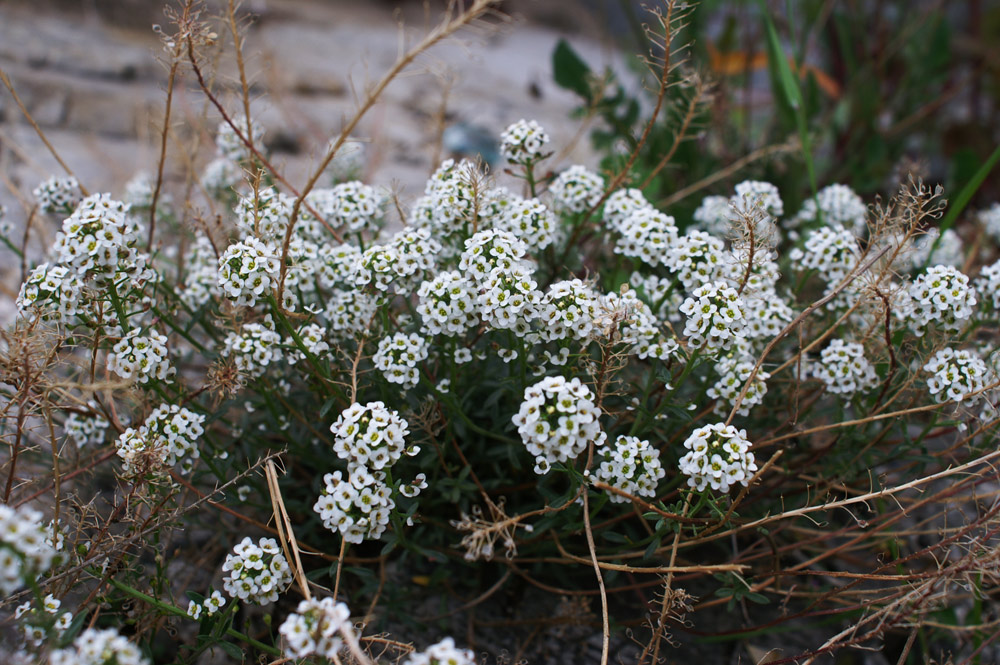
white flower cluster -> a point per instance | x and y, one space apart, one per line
990 219
349 311
718 457
99 240
576 190
556 421
631 465
36 624
370 436
248 270
359 508
522 142
313 337
58 195
353 205
621 205
568 310
99 647
832 251
210 606
715 215
253 349
955 375
443 653
53 291
510 298
141 357
401 263
264 214
752 194
24 548
530 221
715 317
647 235
842 366
734 371
631 322
449 202
228 141
447 304
168 435
489 250
949 250
661 292
256 573
139 191
348 162
940 297
314 628
86 430
988 284
835 205
398 356
220 177
201 280
697 258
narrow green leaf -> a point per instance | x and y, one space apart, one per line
570 71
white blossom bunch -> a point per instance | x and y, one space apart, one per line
842 366
254 348
52 291
401 263
358 508
568 310
398 356
622 317
835 205
647 235
313 338
715 215
58 195
99 241
256 572
443 653
990 219
956 375
139 192
762 276
353 205
530 221
631 465
168 435
141 357
622 204
314 628
24 548
349 312
221 176
734 371
523 142
661 293
715 317
489 250
450 199
752 194
336 265
988 284
510 298
447 304
556 421
718 457
99 647
832 251
576 190
248 271
349 160
767 313
370 436
37 625
201 279
941 297
209 606
228 141
949 250
697 258
86 430
264 214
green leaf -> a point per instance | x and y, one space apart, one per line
570 71
964 196
232 651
